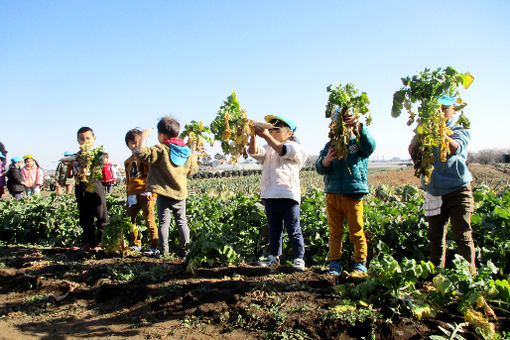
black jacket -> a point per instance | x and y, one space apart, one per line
14 179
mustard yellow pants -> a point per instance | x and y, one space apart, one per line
338 208
146 204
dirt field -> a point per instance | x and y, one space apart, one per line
61 294
56 293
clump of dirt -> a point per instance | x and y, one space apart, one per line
57 293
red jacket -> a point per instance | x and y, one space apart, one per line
109 174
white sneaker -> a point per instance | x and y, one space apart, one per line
299 265
271 261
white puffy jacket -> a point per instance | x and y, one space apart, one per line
280 174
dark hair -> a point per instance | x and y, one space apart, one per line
280 124
169 126
84 129
131 134
35 162
105 154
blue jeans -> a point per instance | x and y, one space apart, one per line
284 212
32 191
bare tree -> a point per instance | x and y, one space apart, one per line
488 156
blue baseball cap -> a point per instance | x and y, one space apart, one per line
16 159
1 155
68 153
282 118
447 100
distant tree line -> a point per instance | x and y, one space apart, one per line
488 156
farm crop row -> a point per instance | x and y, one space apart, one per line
232 228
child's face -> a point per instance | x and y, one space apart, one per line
105 159
86 137
448 111
281 134
133 143
29 162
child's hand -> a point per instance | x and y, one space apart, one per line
146 132
260 131
330 157
351 120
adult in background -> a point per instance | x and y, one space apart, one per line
61 179
3 150
3 172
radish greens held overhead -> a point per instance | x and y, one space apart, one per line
232 128
342 101
427 88
197 134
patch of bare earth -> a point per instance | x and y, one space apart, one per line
482 174
55 293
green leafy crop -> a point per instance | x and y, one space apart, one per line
342 101
427 88
197 134
232 128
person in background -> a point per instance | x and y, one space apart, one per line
138 198
449 196
15 179
3 150
345 184
61 179
33 175
109 175
282 158
170 163
3 172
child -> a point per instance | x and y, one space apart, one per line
345 185
61 179
109 174
90 204
169 164
15 179
33 175
449 195
2 174
282 158
137 195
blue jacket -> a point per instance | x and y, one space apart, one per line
349 175
453 174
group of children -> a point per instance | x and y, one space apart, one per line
157 176
23 175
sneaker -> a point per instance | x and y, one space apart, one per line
271 261
182 254
360 266
359 270
299 265
136 248
151 252
335 268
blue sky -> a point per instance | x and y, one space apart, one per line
115 65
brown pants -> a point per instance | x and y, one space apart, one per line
457 207
146 204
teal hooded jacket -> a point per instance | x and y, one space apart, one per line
348 176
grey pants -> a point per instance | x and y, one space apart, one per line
167 205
